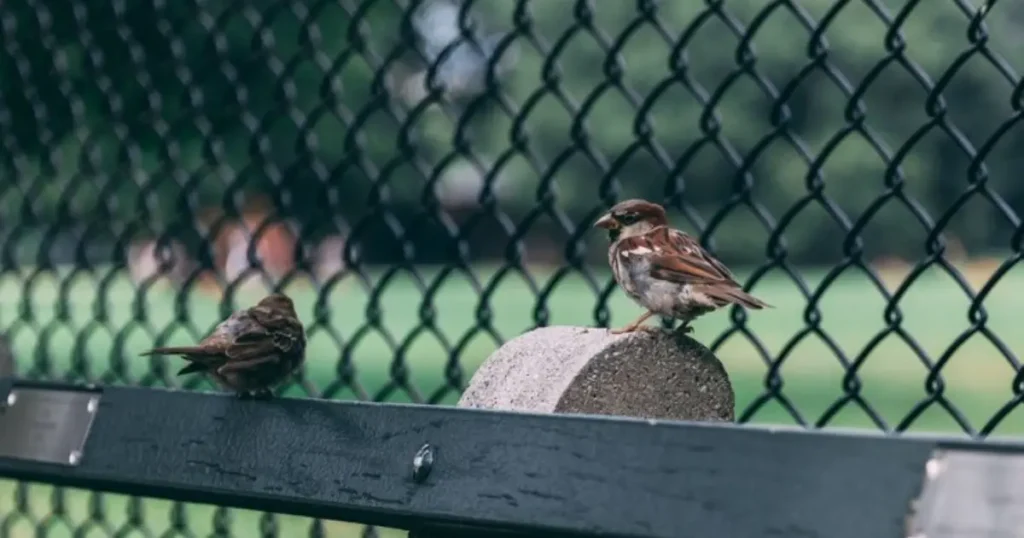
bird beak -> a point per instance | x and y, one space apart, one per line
606 222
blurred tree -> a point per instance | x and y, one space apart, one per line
160 108
826 114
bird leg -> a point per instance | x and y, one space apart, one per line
684 328
258 394
633 326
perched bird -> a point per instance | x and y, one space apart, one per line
666 270
251 351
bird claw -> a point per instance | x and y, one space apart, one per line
262 394
684 329
640 328
265 394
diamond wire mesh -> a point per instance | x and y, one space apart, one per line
399 146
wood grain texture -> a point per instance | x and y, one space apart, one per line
538 474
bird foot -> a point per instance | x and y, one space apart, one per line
683 329
264 394
643 328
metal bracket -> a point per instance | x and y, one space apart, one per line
969 493
44 424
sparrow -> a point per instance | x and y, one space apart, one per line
251 351
665 270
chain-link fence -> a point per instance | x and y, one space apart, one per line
420 176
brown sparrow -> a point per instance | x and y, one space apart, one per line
666 270
251 351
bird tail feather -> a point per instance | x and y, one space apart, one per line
199 359
726 295
181 350
193 367
747 300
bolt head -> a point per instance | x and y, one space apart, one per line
422 463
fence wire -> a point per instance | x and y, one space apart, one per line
421 176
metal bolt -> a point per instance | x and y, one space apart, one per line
75 457
934 468
92 405
422 463
11 399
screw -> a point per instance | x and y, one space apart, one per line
75 457
934 468
92 405
11 398
422 463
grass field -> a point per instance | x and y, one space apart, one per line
419 319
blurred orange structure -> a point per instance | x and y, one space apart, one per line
275 240
230 240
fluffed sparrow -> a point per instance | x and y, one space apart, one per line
251 351
666 270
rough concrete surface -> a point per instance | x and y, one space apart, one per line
589 370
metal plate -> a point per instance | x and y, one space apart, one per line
46 425
970 494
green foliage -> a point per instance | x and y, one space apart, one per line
425 318
131 109
749 83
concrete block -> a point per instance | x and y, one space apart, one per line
589 370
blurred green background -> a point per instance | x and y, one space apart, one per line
979 379
796 137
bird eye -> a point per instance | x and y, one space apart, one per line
628 218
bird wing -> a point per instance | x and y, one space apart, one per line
285 330
267 334
677 257
253 344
